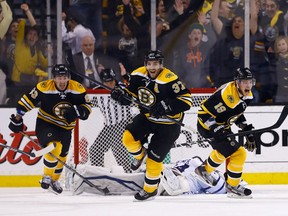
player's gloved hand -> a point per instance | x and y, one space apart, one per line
160 109
218 131
16 125
250 144
70 114
120 96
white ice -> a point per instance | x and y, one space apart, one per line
268 200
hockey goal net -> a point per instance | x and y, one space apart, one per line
97 141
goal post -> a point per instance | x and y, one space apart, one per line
98 140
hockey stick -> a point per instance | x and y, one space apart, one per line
134 100
279 122
105 190
36 153
30 154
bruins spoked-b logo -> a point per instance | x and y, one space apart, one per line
60 108
146 97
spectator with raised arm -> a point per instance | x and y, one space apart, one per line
5 18
30 61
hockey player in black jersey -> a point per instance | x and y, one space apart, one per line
159 90
216 116
62 101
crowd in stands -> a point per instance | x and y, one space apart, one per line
202 41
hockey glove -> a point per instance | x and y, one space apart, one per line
250 144
218 131
120 96
71 113
16 125
160 109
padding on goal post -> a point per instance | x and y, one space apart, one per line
98 140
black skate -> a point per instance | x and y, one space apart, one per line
56 187
238 191
45 182
137 163
204 176
144 196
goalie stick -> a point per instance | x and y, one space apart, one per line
134 100
105 190
36 153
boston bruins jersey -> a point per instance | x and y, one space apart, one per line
165 87
224 107
54 102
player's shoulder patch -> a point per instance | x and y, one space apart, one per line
45 85
166 76
76 86
230 95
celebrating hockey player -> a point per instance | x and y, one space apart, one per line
215 117
160 94
62 101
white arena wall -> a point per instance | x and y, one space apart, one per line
269 165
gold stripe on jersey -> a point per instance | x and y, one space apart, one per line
186 98
56 121
26 102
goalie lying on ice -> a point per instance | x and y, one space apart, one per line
177 180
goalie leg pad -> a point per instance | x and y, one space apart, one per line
174 182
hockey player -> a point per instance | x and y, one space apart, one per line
62 101
159 90
215 117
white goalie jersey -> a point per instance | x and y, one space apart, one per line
174 181
181 179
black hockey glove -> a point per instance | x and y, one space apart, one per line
250 144
71 113
218 131
160 109
16 125
120 96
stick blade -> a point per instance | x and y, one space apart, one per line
44 151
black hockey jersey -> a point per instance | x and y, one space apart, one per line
224 107
165 87
53 102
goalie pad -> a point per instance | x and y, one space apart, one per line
174 182
116 183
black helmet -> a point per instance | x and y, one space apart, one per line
154 55
60 70
107 75
244 74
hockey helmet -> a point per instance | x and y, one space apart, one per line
107 75
154 55
60 70
244 74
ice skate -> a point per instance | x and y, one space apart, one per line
145 196
45 182
238 191
204 176
56 187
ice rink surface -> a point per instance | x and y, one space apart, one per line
268 200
